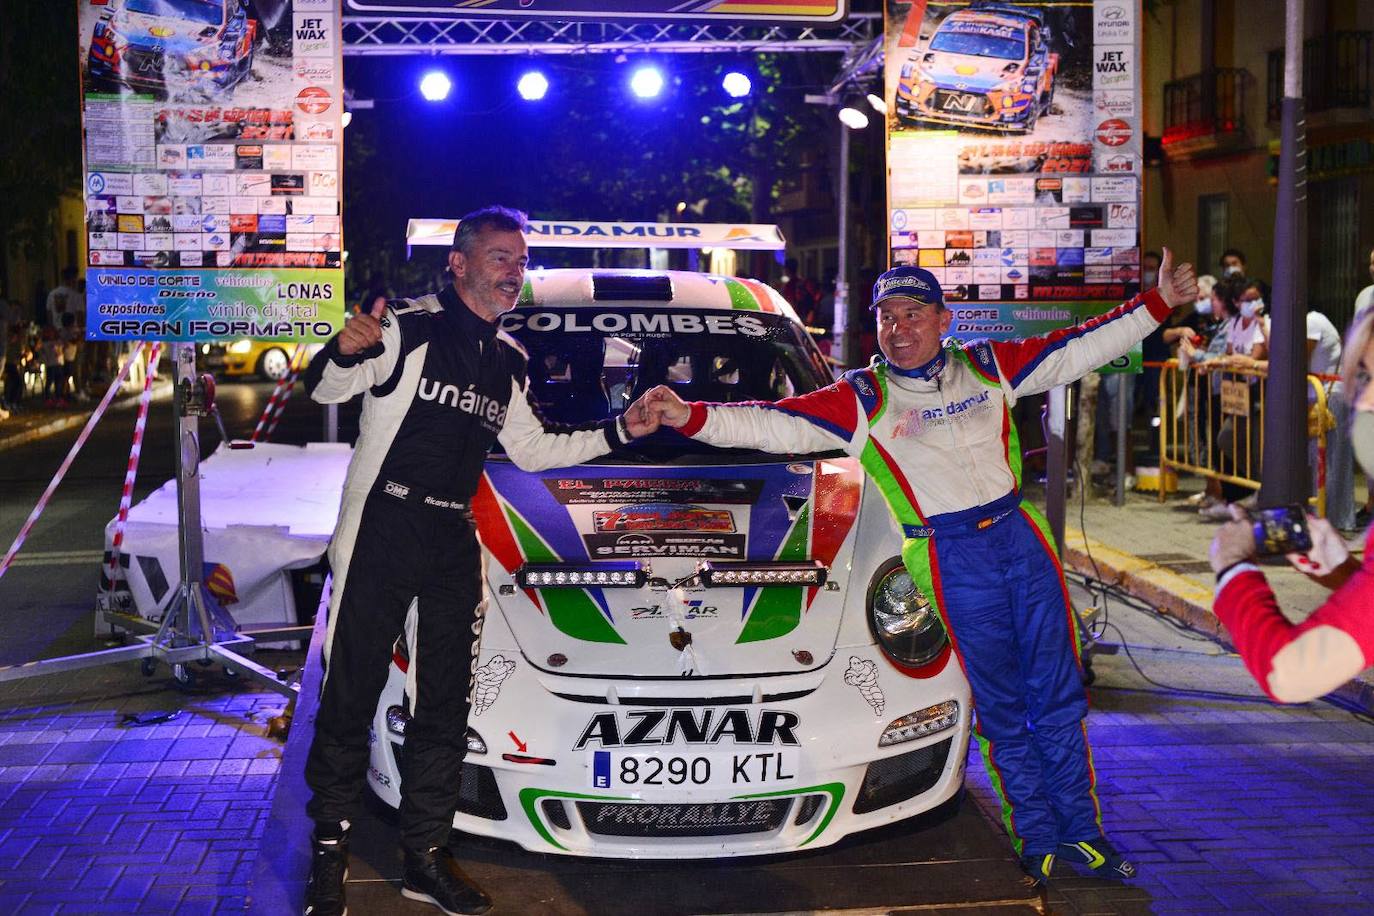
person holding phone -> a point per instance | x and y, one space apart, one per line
1294 663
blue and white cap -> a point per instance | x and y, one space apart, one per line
910 282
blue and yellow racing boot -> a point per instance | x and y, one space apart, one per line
1099 855
1037 867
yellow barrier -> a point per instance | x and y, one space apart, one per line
1212 423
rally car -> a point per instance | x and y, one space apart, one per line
173 46
987 66
688 651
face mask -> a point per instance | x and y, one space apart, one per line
1204 306
1250 308
1362 438
1232 270
1150 277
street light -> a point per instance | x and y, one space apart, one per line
852 116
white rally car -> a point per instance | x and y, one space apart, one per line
689 651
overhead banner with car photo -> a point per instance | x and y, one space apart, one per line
812 11
213 147
1014 153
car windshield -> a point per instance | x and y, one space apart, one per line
210 12
589 363
981 41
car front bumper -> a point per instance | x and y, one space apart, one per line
533 788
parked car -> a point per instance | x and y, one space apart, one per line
987 66
268 360
166 46
688 651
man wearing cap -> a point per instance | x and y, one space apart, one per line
931 424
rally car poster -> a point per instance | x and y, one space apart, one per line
1015 153
213 147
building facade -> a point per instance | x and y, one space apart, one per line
1214 76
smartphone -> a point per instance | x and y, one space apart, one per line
1280 530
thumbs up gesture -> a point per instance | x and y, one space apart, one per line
1176 284
363 330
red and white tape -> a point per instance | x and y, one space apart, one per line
281 405
280 395
71 456
127 493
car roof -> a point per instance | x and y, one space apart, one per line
593 287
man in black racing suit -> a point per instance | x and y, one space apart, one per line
442 384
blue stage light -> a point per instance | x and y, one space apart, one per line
736 84
647 82
435 86
532 86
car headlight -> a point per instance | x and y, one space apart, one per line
921 723
204 57
241 346
903 621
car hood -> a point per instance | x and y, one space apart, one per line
671 518
970 72
169 33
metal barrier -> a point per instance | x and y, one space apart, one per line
1212 423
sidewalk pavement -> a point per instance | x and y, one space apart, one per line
34 421
1158 553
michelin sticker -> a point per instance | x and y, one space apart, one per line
487 682
863 674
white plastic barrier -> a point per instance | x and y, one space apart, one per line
265 511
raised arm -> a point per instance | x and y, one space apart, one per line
824 420
1037 364
361 356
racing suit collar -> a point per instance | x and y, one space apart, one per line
468 320
928 371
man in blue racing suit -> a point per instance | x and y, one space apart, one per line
931 424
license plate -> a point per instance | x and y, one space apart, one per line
636 772
961 102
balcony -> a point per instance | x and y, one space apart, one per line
1337 75
1204 114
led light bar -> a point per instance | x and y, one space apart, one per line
717 574
921 723
622 574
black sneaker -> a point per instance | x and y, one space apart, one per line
324 894
1099 855
434 877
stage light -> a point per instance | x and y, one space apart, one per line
532 86
736 84
878 103
853 118
435 86
647 82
